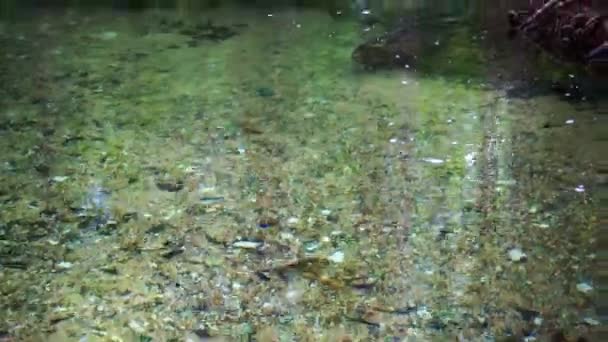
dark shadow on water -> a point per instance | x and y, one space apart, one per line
471 44
463 40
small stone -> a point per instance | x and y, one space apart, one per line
538 321
517 255
423 313
59 179
292 221
286 236
137 327
65 265
584 287
311 246
247 244
325 212
267 308
591 321
337 257
293 296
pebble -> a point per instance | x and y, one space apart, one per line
517 254
311 246
286 236
337 257
267 308
247 244
584 287
59 179
591 321
137 327
293 296
65 265
325 212
433 161
292 221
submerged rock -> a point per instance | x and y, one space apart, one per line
393 49
169 185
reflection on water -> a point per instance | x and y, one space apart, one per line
245 179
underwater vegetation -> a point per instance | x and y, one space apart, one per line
233 174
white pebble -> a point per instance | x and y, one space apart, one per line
584 287
286 236
293 221
591 321
517 254
336 257
435 161
247 244
137 327
65 265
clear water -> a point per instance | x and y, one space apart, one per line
231 174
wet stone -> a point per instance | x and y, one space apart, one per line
248 244
311 246
584 288
170 186
517 255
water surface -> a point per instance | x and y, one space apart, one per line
173 175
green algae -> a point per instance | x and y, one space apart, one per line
404 178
